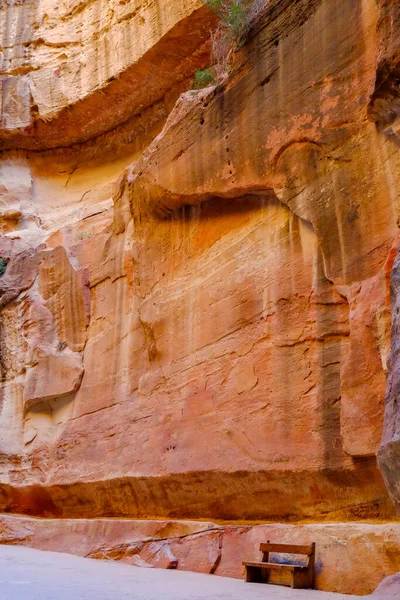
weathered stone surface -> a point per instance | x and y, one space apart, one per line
21 269
62 61
67 297
364 368
15 192
54 376
15 103
307 175
260 336
389 450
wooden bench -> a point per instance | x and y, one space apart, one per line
300 577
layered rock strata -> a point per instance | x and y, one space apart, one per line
73 71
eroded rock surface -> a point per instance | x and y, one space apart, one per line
195 310
389 450
63 63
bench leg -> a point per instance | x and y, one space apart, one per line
301 580
252 574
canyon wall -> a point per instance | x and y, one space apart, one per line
195 290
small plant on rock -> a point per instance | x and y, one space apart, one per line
232 14
236 19
237 16
84 235
203 79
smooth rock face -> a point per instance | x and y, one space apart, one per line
195 310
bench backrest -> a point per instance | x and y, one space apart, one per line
288 548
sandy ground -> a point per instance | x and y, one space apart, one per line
27 574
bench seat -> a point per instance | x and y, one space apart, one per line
277 566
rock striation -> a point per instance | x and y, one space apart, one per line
196 316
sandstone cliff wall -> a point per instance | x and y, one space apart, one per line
195 308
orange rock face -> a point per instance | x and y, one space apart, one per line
195 310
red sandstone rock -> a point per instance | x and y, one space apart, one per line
217 344
364 368
388 452
136 561
53 377
159 555
57 98
67 297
